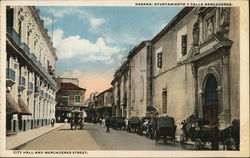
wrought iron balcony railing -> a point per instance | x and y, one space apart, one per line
26 49
14 35
41 92
22 81
10 74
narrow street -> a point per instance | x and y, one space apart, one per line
94 137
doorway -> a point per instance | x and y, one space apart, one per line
210 106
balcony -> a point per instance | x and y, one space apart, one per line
41 94
30 88
33 57
10 77
36 92
22 83
25 48
14 35
45 95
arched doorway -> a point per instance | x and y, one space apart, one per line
211 103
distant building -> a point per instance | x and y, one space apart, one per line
140 79
30 70
69 97
103 105
121 91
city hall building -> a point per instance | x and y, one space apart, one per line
30 71
192 66
195 63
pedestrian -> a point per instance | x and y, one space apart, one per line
66 121
107 122
52 123
103 122
126 124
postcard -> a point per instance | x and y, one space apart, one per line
124 78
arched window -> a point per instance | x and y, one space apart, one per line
141 88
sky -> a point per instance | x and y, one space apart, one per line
92 42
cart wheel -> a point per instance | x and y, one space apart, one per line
198 144
183 141
230 144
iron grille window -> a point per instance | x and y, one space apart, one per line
164 100
184 44
159 60
211 94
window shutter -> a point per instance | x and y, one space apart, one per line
184 44
9 17
159 60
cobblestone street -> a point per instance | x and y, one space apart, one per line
94 137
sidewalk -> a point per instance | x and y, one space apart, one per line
21 138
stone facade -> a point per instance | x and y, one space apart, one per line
216 57
138 79
173 84
121 91
190 67
30 70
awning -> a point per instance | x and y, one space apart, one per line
11 105
25 109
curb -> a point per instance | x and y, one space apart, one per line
23 144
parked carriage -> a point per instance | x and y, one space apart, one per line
118 123
199 131
143 125
165 129
112 121
133 124
76 119
230 137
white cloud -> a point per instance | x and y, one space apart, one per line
96 22
72 74
47 20
75 46
81 14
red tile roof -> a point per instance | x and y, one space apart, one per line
70 86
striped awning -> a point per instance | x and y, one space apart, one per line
25 109
11 105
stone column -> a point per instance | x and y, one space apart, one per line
194 72
225 116
200 104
